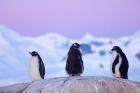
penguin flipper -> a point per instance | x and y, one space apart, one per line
69 66
116 61
124 67
42 69
124 70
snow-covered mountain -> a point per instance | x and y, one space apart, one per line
53 48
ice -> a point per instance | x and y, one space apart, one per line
53 48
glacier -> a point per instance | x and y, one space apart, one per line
53 48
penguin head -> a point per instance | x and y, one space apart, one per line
34 53
75 45
117 49
74 49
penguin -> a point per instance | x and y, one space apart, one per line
36 68
74 63
119 63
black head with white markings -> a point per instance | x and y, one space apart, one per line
74 50
34 53
117 49
75 46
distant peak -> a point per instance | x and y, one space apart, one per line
3 27
8 34
5 30
88 37
137 34
53 36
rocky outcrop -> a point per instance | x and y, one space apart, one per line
17 88
76 85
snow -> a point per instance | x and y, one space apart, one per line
53 48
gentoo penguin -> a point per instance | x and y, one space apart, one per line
74 64
119 63
37 68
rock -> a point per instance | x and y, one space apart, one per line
78 85
86 49
102 52
17 88
97 43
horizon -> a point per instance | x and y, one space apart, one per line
7 29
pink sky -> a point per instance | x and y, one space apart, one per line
71 18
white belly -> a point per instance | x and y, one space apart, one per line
117 72
34 69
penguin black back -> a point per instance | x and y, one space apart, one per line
41 67
74 64
122 60
124 66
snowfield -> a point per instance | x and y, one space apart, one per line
53 48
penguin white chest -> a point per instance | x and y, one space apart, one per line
34 69
117 66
